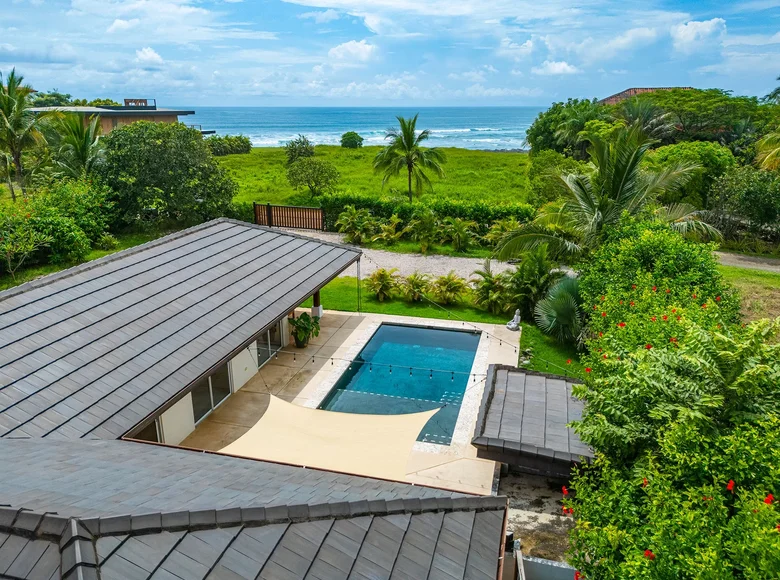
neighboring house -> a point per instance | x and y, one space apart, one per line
636 91
133 110
146 342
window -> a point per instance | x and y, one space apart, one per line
269 343
210 392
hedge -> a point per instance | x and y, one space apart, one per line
228 144
484 214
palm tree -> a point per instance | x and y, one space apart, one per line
657 123
592 202
20 127
769 151
575 118
77 147
404 152
774 96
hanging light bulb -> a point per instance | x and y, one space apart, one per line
370 367
391 369
430 377
410 371
453 376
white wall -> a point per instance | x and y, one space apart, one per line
178 421
244 366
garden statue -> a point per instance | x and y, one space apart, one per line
514 324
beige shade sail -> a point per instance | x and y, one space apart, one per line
371 445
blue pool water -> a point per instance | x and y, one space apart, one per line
379 381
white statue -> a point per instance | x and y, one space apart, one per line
514 324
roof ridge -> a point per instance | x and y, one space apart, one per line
193 520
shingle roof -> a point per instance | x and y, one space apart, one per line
96 349
523 419
436 539
90 478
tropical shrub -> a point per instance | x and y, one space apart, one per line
748 194
414 286
449 288
166 169
531 281
424 228
18 241
480 212
298 148
383 283
490 289
560 313
389 232
710 160
313 174
106 242
460 232
351 140
498 229
86 202
228 144
67 242
357 225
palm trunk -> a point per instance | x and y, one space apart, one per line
410 185
19 173
10 181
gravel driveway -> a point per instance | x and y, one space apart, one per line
406 263
438 265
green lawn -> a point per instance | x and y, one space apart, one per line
341 294
470 175
760 291
27 274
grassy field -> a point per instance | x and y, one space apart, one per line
470 175
341 294
760 291
27 274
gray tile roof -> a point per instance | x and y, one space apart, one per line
89 478
95 350
523 419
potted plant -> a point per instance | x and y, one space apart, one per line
303 328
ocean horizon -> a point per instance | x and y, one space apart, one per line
482 128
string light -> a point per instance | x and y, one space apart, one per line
431 377
410 371
370 367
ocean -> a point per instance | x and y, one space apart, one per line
487 128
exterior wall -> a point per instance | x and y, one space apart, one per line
243 367
107 122
178 421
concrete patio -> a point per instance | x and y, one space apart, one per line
305 376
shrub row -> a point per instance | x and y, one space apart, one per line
484 214
228 144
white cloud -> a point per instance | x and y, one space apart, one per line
321 17
478 90
353 51
510 49
600 49
553 67
148 56
120 24
473 76
695 35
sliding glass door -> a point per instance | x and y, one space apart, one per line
210 392
268 344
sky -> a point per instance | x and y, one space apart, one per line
387 52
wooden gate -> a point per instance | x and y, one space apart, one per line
289 216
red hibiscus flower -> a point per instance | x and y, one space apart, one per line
704 305
730 485
568 361
601 334
603 298
631 303
655 288
633 286
717 299
674 310
587 369
649 555
644 482
653 318
694 296
769 499
578 576
603 314
621 324
673 339
668 291
605 356
564 490
648 346
665 318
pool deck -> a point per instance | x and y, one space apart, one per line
305 376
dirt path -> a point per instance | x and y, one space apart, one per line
749 262
407 263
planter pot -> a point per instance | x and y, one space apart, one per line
300 343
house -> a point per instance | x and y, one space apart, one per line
636 91
143 344
133 110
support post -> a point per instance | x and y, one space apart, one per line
269 215
316 307
358 286
254 213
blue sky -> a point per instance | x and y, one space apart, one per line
388 52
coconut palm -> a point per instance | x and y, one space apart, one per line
20 127
77 147
405 153
769 151
774 96
575 118
592 202
656 123
449 288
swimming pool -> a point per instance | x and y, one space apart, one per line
407 369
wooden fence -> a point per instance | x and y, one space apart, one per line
289 216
